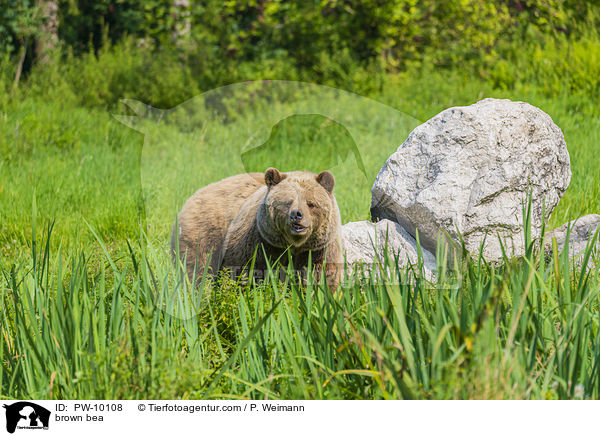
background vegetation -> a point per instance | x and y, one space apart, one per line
84 313
164 51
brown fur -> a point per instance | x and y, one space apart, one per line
230 219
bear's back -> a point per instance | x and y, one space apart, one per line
205 217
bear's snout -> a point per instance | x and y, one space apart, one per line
299 223
296 215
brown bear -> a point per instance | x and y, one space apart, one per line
224 223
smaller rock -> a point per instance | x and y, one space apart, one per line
582 230
364 243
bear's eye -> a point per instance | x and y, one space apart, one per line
311 204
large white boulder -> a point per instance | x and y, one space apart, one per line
469 169
366 243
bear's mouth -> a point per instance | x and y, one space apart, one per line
298 229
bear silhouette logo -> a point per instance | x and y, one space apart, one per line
26 415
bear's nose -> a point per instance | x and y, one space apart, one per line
296 215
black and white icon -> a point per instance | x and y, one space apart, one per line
26 415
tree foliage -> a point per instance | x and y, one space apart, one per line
396 31
168 50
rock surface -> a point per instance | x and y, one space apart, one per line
582 230
468 170
364 243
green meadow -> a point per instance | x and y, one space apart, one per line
91 179
77 163
92 308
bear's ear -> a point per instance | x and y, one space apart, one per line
273 177
326 180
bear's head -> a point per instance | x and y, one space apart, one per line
299 209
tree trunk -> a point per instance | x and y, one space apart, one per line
20 64
47 38
183 22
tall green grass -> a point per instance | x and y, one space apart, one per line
71 329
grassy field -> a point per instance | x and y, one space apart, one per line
91 308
